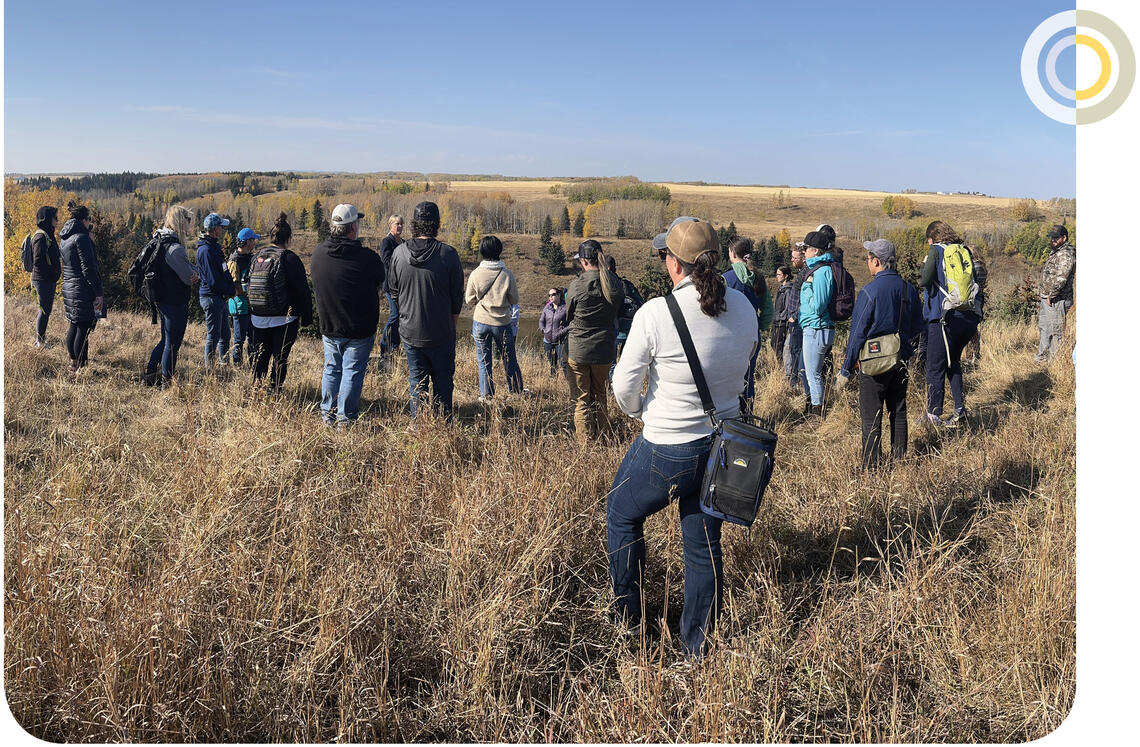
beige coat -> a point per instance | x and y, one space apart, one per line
492 290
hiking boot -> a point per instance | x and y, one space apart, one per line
959 416
150 378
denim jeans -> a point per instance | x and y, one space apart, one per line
794 356
390 337
243 336
945 342
750 379
1050 327
503 340
45 293
817 348
345 363
436 364
217 327
172 318
651 475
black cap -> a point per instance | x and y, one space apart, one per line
427 212
816 240
1058 231
588 249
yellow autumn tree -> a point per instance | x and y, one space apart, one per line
592 212
784 240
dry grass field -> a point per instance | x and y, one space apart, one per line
204 564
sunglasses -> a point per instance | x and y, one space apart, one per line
662 254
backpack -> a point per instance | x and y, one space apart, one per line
631 303
842 301
144 275
268 294
961 289
26 252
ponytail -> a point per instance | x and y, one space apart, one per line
708 282
604 276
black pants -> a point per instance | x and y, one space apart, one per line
273 343
45 292
77 334
779 334
875 392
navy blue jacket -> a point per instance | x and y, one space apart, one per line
792 305
877 312
212 271
933 279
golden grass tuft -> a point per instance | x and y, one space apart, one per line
204 564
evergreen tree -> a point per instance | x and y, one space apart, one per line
620 228
316 216
547 231
579 223
564 223
654 281
303 220
554 258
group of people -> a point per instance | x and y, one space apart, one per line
599 331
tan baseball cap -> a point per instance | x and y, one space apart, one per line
691 239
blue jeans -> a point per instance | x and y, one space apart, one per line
217 327
503 340
390 337
436 364
45 293
750 383
817 349
649 475
172 317
243 335
794 355
345 363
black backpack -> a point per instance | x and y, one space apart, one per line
842 301
26 252
145 275
268 293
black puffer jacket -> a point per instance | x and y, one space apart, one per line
81 281
45 254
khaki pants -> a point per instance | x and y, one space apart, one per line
590 416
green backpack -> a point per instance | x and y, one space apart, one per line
961 289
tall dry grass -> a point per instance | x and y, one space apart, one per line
203 564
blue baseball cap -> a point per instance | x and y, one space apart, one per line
246 234
659 239
213 220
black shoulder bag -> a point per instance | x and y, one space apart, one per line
742 454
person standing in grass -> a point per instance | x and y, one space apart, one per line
666 461
886 305
279 272
346 280
740 277
238 304
46 268
493 292
427 279
793 346
390 337
780 311
176 276
552 324
815 319
1056 290
592 305
947 331
216 287
82 283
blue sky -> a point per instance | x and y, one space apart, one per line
887 95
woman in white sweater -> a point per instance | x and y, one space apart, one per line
668 459
492 290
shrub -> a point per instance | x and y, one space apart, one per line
1024 211
1030 242
897 206
1018 304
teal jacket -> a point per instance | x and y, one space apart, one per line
816 295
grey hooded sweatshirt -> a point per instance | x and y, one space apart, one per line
427 279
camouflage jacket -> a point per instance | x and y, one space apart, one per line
1057 274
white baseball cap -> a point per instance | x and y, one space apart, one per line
344 214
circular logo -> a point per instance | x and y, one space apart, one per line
1087 100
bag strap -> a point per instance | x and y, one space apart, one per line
691 355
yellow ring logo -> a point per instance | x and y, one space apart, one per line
1071 29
